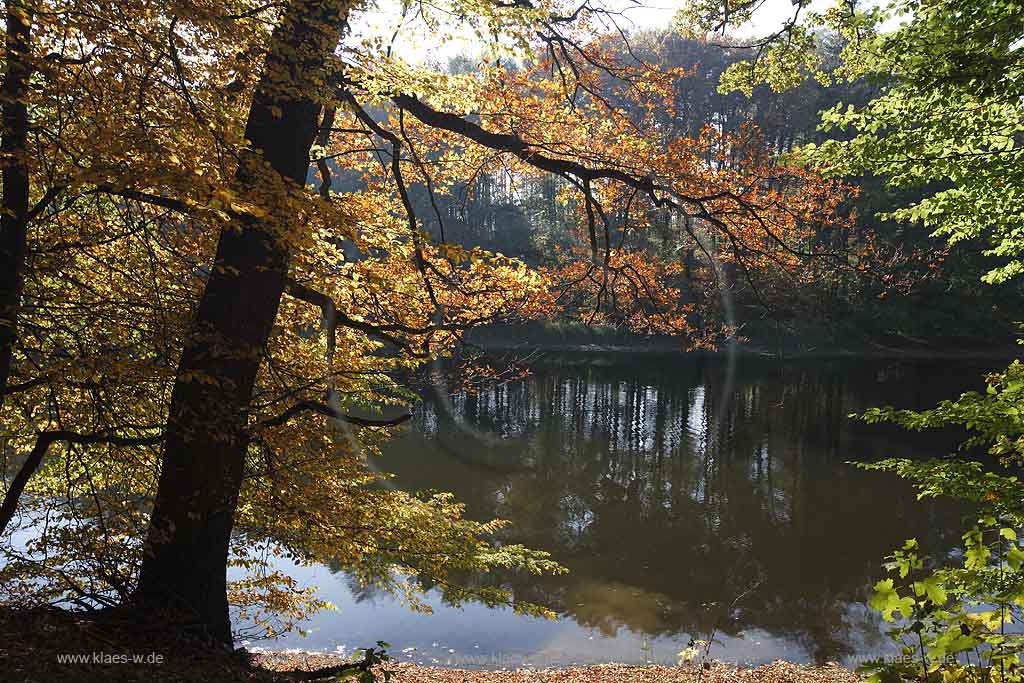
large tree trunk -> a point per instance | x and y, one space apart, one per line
14 209
187 547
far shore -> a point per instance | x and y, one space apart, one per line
876 352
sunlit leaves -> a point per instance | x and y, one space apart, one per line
887 601
139 162
951 611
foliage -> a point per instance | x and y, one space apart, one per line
906 289
948 120
958 617
996 417
372 667
949 116
157 194
968 620
955 618
139 153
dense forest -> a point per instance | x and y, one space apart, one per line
911 293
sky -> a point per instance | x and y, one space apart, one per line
417 45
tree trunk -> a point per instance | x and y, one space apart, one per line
184 568
14 211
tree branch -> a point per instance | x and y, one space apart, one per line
38 452
146 198
326 410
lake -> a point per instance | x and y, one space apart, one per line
686 496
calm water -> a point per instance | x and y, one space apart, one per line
684 495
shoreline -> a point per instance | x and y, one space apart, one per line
48 644
780 671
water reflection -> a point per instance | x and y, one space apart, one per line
685 497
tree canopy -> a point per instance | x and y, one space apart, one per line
203 343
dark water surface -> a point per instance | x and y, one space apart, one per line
684 495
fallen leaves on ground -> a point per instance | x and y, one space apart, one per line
776 672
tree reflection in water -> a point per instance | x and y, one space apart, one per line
668 491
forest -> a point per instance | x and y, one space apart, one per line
684 344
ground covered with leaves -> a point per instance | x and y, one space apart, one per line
777 672
57 645
110 645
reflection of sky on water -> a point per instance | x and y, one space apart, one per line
668 492
475 636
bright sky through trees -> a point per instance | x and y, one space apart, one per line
417 43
